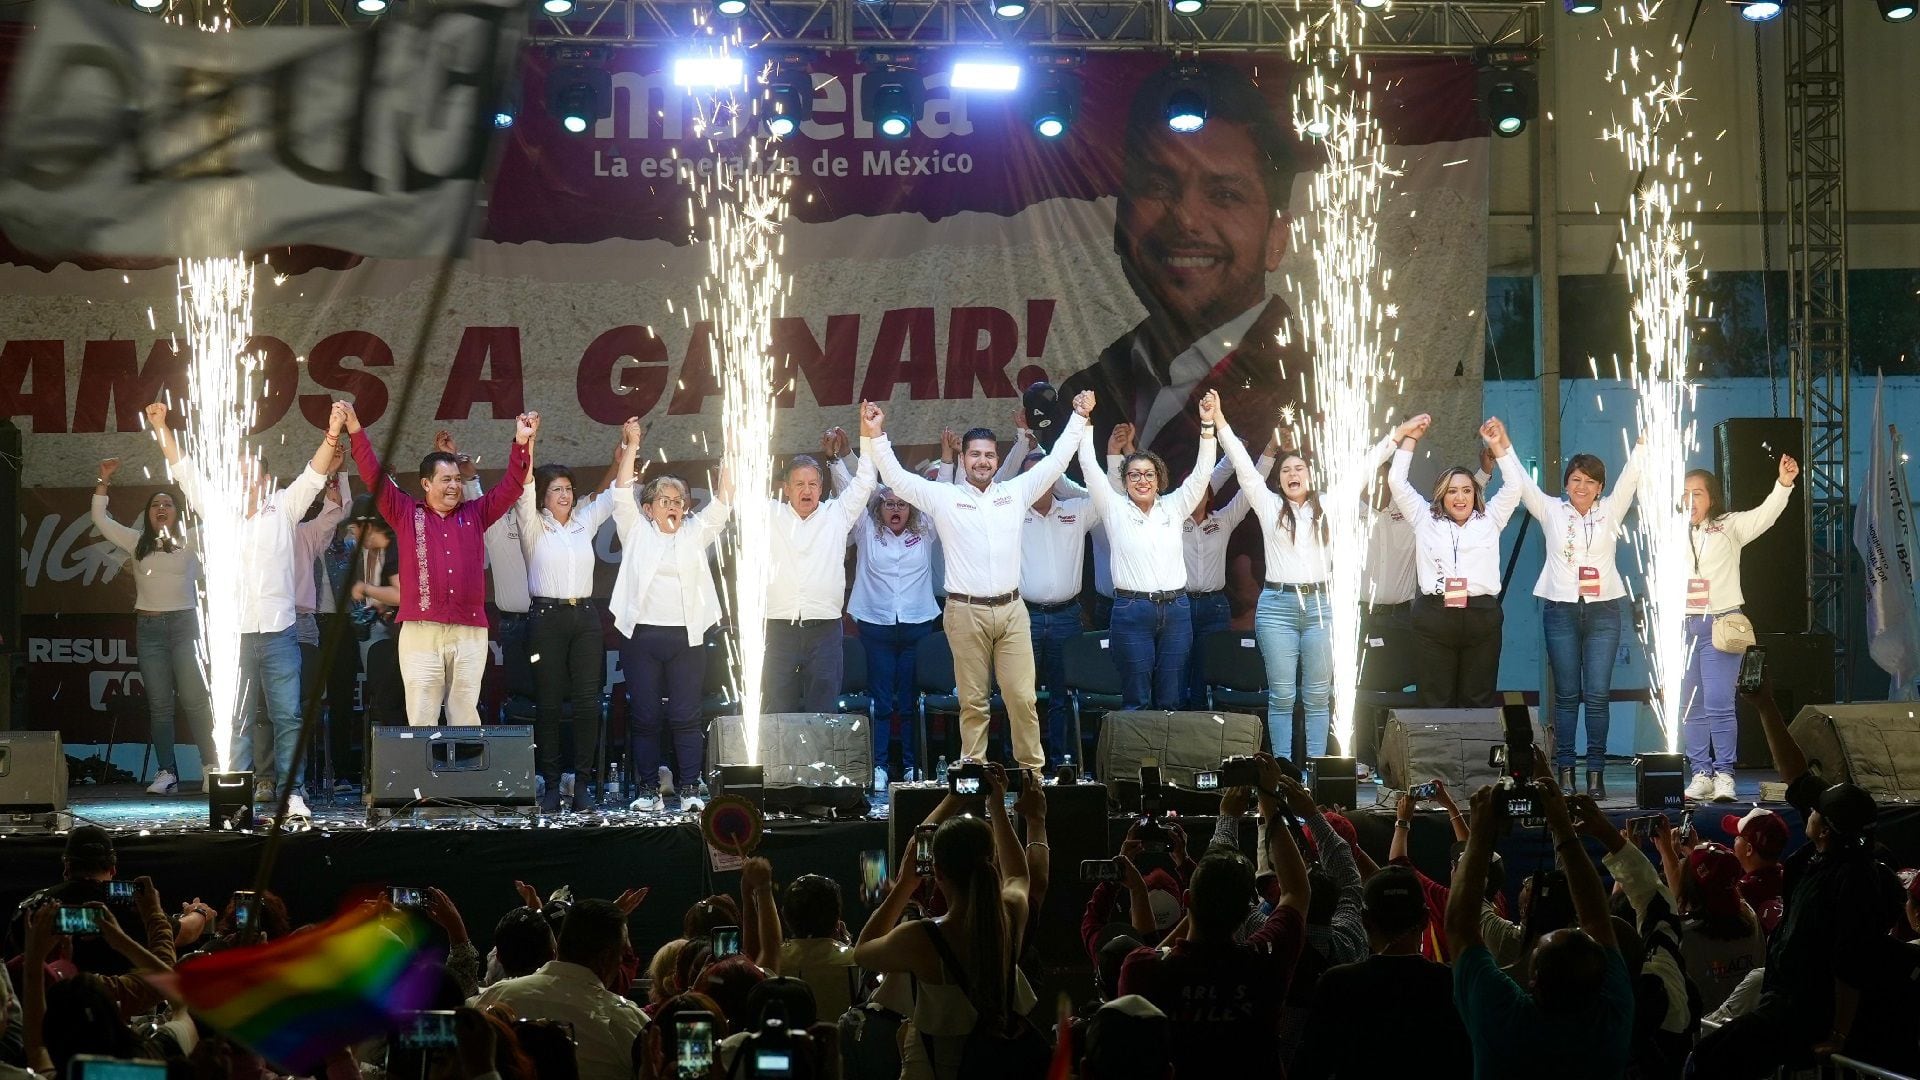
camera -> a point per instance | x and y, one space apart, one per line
725 941
692 1045
76 920
1239 771
923 851
1094 871
1643 827
403 897
775 1051
967 778
1206 781
1152 800
1423 791
1514 795
1753 669
119 890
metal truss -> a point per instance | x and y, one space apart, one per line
1446 27
1817 333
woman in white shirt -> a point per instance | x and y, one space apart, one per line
893 607
1152 623
166 574
567 639
1582 591
1713 593
1456 614
663 604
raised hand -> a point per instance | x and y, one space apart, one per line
1414 427
353 418
1019 418
1083 403
107 468
524 427
1117 439
630 901
1210 407
157 415
631 433
873 421
949 445
1789 470
443 442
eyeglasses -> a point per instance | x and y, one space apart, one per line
669 502
1135 474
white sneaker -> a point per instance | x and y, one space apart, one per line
566 785
647 802
297 807
692 804
1723 788
880 778
1362 771
666 780
1701 788
164 783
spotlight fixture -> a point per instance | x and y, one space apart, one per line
1583 7
370 7
151 7
1055 98
1895 10
1008 9
709 72
557 7
579 90
1186 102
892 93
732 9
1759 10
788 101
1187 7
1372 5
1507 90
985 75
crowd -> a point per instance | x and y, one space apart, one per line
989 550
1698 960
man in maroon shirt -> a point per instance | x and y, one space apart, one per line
442 547
1224 997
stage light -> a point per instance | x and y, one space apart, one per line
1186 110
579 90
1583 7
985 75
1759 10
1895 10
557 7
151 7
732 9
1008 9
370 7
1187 7
1372 5
892 92
709 72
1506 90
1054 99
788 101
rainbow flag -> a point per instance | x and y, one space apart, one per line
298 999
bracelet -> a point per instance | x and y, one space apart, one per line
1038 844
1456 815
1398 824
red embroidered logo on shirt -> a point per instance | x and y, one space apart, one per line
912 539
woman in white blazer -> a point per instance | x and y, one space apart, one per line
663 604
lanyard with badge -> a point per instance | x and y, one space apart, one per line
1587 573
1699 589
1455 588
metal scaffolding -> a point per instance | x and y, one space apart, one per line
1817 331
1446 27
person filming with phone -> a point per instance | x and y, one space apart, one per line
574 988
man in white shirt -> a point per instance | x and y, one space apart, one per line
808 585
1053 548
979 521
269 645
573 989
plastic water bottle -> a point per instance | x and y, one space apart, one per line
940 769
1066 762
613 783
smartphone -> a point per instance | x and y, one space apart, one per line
1686 825
246 909
726 941
772 1063
76 920
88 1067
1753 669
1149 777
1642 827
1206 781
404 897
1239 772
119 890
428 1029
923 851
1423 791
692 1045
1094 871
873 876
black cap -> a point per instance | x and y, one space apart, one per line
365 510
1045 417
1393 898
89 843
1128 1036
1848 810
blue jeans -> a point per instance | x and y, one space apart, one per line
1291 628
1051 631
270 665
1150 646
892 651
172 679
1706 697
1211 614
1582 639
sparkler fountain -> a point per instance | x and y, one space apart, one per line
1658 249
1348 325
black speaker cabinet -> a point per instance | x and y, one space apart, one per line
1800 667
446 766
1660 781
1773 567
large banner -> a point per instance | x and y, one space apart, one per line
941 274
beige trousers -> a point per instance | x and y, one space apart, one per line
990 641
442 663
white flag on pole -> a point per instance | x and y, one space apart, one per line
1883 534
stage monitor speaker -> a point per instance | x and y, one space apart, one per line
813 760
443 766
1334 781
1876 746
1183 743
1660 781
33 772
1800 669
1451 744
1773 566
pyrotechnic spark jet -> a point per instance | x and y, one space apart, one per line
742 206
1349 327
216 307
1658 249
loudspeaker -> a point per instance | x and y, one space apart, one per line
1183 743
1660 781
812 759
440 766
1800 669
33 772
1452 744
229 800
1876 746
1333 781
1773 567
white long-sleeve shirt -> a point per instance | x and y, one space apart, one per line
559 557
264 577
1581 543
1204 545
1147 544
164 580
1296 558
506 559
1716 548
893 575
310 540
645 550
979 530
1053 547
808 579
1447 549
1387 576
